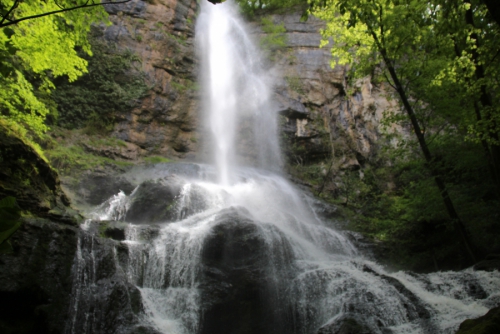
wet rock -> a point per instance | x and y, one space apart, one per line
28 177
154 201
238 290
345 325
490 263
95 188
115 230
35 280
414 309
102 300
128 152
487 324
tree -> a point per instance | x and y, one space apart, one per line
494 9
406 41
38 48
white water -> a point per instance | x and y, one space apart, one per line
236 89
316 270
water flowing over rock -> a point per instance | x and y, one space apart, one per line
239 250
186 249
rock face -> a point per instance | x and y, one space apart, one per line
487 324
240 293
325 116
28 177
154 201
160 33
36 279
60 279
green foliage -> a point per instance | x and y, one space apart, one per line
107 141
440 52
253 7
73 159
112 86
274 40
295 84
9 221
156 159
34 52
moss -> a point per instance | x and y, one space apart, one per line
73 158
274 41
487 324
155 159
102 227
294 83
108 141
113 85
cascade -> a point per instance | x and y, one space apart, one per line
229 248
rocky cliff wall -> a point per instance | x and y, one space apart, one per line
327 121
160 33
324 116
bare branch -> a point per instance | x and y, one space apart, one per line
14 6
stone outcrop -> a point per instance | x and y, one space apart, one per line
36 278
28 177
160 33
325 115
154 201
240 293
487 324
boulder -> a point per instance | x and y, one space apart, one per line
345 325
26 175
487 324
154 201
95 188
239 293
490 263
35 279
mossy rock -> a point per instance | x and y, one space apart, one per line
27 176
487 324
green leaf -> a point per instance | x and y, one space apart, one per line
9 217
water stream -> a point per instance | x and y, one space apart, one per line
242 250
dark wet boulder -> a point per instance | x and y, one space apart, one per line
414 307
487 324
345 325
96 188
490 263
154 201
114 230
35 279
239 290
60 279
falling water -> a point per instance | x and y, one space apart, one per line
236 88
241 250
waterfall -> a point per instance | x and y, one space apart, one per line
236 87
238 249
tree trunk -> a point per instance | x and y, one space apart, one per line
486 102
494 9
450 208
